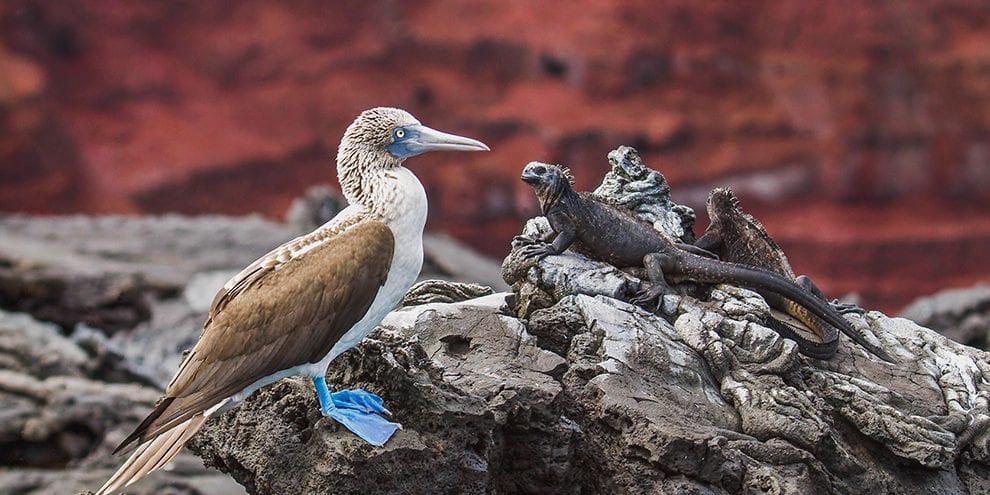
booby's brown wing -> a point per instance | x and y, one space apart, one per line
287 311
272 259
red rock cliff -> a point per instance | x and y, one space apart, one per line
858 131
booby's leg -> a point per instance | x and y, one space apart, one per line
355 409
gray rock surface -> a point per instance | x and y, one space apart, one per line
442 291
633 185
62 413
562 387
102 271
474 394
962 315
593 395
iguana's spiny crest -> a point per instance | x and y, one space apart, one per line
726 215
722 200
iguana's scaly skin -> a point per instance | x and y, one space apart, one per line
613 235
738 237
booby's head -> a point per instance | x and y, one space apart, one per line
721 201
382 138
550 182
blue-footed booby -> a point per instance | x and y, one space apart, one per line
298 307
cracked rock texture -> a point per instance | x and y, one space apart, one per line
631 184
593 395
562 387
63 401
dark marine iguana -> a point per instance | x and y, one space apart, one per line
738 237
608 233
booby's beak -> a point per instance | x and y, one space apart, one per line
418 139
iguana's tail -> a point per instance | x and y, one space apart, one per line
698 269
819 350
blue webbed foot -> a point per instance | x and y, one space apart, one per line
356 410
359 399
370 427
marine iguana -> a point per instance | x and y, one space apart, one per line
738 237
610 234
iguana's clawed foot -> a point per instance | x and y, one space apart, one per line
521 240
537 251
847 308
649 298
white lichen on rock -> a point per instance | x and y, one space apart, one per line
631 184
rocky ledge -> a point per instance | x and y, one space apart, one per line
594 395
562 387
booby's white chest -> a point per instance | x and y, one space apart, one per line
405 215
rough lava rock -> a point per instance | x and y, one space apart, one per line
562 387
61 408
624 401
434 291
631 184
474 393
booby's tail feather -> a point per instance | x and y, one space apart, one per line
153 454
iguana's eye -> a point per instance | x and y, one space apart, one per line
400 133
540 170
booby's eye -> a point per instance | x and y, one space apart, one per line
400 133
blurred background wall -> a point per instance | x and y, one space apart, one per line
858 131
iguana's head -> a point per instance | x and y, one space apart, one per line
549 181
721 201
